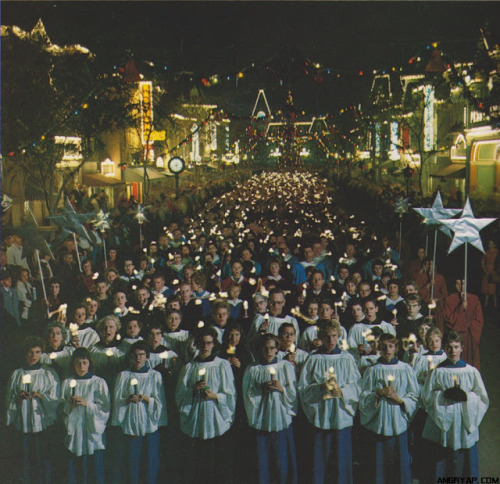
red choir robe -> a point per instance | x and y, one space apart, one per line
468 322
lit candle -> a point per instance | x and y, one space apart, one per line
429 359
432 304
390 379
331 372
200 324
304 293
231 350
118 337
133 383
412 338
292 348
197 301
344 345
53 356
245 307
272 370
73 327
109 354
26 380
455 380
163 355
72 385
202 373
63 308
395 312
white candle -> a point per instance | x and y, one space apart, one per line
455 380
390 379
72 385
331 372
73 327
292 348
163 355
245 305
202 373
429 359
272 371
26 380
231 350
53 356
201 324
109 353
133 383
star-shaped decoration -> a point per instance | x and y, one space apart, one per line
433 216
6 202
101 221
140 215
466 228
401 206
72 222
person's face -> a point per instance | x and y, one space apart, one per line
173 322
108 331
350 251
387 350
262 306
459 286
274 269
308 254
356 277
55 338
111 277
236 269
91 307
133 329
87 268
435 342
138 359
155 337
351 288
453 351
317 249
143 264
312 310
206 346
326 311
33 355
410 289
365 290
393 290
422 331
186 291
7 282
24 276
371 311
277 303
112 254
287 337
163 241
119 299
317 281
421 253
81 366
357 312
246 255
129 267
79 316
377 269
269 350
102 288
158 283
343 273
212 249
234 292
413 308
428 266
177 235
177 258
68 259
330 340
221 316
142 296
234 337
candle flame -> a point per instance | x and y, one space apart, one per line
109 352
292 348
163 355
272 370
201 324
53 355
134 382
72 383
202 371
245 305
231 350
26 379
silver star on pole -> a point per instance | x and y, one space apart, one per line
72 222
466 228
101 222
433 216
139 214
6 202
401 206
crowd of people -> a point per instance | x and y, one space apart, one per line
273 337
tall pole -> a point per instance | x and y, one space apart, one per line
434 262
465 272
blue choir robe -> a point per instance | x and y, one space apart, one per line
200 417
34 415
273 411
141 418
85 426
454 425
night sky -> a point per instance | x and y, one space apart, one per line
226 37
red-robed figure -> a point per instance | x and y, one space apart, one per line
465 317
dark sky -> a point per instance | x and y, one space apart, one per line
225 37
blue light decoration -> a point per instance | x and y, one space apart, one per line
394 153
377 139
428 118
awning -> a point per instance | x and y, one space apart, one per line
136 174
454 170
98 180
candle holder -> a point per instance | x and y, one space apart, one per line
72 385
331 384
134 384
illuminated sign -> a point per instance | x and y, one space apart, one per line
146 89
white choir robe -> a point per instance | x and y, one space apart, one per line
86 337
176 341
300 358
407 355
126 343
356 338
200 417
33 416
333 413
273 411
139 419
385 417
454 425
60 361
273 328
311 333
219 331
171 361
365 361
421 366
85 426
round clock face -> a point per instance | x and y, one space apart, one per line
176 164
